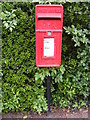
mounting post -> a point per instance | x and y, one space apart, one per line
48 91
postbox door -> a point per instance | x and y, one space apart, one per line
48 48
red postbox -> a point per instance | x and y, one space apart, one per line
48 30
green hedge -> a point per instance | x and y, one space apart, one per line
23 84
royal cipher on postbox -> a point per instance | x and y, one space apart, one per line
48 33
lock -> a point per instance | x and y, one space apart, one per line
49 33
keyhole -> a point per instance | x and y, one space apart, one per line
49 33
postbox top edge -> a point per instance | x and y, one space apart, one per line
40 5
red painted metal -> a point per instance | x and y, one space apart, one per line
48 30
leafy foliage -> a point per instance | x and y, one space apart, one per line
23 83
9 19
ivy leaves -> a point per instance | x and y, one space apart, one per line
9 19
81 42
79 36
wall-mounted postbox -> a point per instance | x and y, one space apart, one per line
48 30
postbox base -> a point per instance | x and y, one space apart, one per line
57 65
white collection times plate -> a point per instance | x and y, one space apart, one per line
48 47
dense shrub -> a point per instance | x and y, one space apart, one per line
23 84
